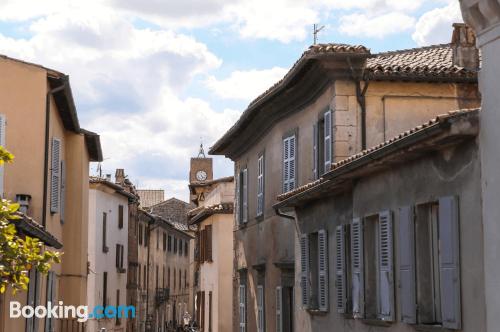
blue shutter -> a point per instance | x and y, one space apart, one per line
357 268
323 292
449 262
340 272
305 286
328 140
406 242
315 152
386 267
245 195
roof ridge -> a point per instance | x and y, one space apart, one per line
409 50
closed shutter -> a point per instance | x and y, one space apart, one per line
242 308
55 175
120 217
208 229
2 143
117 258
449 262
51 291
315 152
289 164
323 292
340 272
238 198
260 186
63 191
279 309
328 140
304 270
386 267
357 268
406 246
245 195
260 308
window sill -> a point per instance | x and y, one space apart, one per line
260 217
429 328
121 270
376 322
317 312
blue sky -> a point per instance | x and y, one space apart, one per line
153 77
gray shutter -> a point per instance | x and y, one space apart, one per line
49 323
305 286
328 140
286 164
260 185
449 262
340 275
315 152
55 175
242 308
279 309
238 197
323 291
357 268
260 308
63 190
406 243
386 267
245 195
292 163
2 143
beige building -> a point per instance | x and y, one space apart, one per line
165 250
214 255
337 100
39 125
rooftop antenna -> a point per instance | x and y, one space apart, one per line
201 154
316 29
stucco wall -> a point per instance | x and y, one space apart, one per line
452 172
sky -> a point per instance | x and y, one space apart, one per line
156 77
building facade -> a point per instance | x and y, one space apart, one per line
39 125
107 251
337 100
214 256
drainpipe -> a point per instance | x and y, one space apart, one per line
46 153
360 96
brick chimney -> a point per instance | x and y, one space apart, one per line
465 53
120 176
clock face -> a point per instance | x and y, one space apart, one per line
201 175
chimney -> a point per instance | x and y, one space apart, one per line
108 177
120 176
463 41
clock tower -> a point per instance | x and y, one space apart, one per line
201 168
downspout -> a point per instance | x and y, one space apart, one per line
360 97
46 153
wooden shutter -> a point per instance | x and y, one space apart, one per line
449 262
245 195
208 242
323 292
260 185
386 267
279 309
315 152
304 270
260 308
55 177
2 143
120 216
104 221
406 241
242 308
328 140
340 272
117 258
63 191
357 268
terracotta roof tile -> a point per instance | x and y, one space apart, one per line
203 212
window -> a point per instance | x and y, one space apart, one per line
180 279
186 248
289 162
185 279
145 277
242 306
105 289
342 269
104 221
157 239
164 241
120 216
279 309
180 247
139 277
260 308
157 277
429 263
55 175
140 234
175 245
372 267
168 278
260 185
174 283
169 243
314 270
146 236
322 145
119 258
243 196
118 320
208 243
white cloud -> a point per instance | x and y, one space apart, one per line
245 85
435 26
361 25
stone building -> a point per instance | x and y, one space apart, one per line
173 209
336 101
49 178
